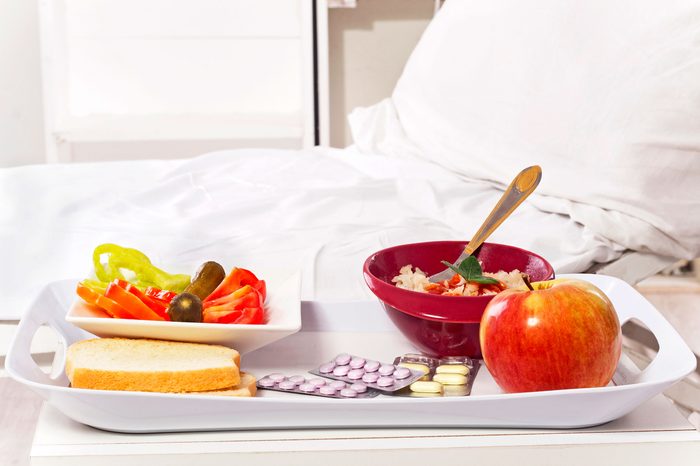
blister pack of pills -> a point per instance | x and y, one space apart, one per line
379 376
315 386
449 376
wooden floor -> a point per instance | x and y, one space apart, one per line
677 299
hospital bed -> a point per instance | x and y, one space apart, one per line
323 211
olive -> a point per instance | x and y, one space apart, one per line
185 307
206 279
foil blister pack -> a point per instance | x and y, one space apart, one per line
348 376
448 376
384 377
315 386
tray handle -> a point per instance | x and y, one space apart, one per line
674 359
19 362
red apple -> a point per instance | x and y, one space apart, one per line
562 333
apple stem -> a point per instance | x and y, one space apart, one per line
526 279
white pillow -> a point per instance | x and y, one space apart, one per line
603 94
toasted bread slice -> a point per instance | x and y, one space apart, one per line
245 388
151 365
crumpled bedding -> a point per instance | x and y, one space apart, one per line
605 98
323 211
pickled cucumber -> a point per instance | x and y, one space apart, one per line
206 279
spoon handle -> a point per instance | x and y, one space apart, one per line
519 189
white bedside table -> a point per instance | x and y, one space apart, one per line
653 434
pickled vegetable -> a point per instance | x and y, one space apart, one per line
206 279
185 307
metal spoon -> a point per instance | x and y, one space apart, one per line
519 189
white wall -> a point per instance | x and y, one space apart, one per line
21 117
369 46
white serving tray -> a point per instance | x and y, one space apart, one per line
360 328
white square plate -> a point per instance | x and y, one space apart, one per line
283 309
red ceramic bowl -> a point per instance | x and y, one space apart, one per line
442 325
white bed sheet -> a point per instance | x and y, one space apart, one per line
602 95
323 211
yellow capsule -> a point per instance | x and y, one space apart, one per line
455 390
452 369
415 366
426 387
450 379
425 395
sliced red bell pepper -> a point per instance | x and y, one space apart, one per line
235 280
251 315
163 303
161 295
262 289
159 307
111 307
248 315
221 316
130 302
246 296
244 304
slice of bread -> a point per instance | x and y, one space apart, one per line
245 388
151 365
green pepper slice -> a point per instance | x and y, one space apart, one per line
145 274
